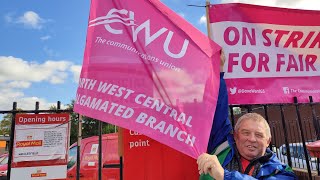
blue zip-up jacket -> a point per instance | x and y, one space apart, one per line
222 131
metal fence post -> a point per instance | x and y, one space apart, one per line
285 136
265 107
37 108
79 145
13 123
58 105
100 150
121 168
302 137
232 115
314 118
316 126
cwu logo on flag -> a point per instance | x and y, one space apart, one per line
115 16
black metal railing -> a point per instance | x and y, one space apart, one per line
292 125
37 110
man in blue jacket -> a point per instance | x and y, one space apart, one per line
243 154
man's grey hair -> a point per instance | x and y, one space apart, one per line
254 117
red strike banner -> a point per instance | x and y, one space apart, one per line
272 54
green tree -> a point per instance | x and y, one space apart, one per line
53 107
90 126
73 123
5 124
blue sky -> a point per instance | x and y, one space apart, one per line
42 45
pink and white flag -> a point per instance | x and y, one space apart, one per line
272 53
146 69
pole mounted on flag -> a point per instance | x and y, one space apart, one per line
208 19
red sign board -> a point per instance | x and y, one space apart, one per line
145 158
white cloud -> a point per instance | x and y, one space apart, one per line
31 19
203 20
7 96
297 4
44 38
18 84
16 75
25 103
76 69
12 92
16 69
58 78
28 103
